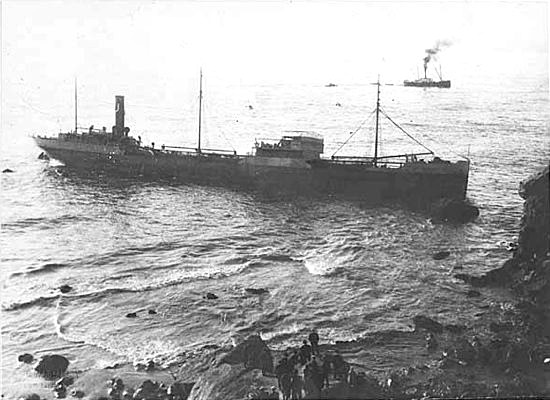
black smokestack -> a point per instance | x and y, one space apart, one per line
119 114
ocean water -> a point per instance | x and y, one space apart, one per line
343 268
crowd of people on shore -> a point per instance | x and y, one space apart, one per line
305 372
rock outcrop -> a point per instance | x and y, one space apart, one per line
52 366
252 353
528 271
245 368
229 382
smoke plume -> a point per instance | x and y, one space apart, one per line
432 53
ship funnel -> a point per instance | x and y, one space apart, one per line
119 115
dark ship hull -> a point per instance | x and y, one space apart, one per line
428 83
292 164
415 182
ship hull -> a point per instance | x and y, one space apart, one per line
439 84
415 183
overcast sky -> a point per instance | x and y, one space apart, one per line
259 41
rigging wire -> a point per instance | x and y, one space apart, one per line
228 142
353 133
402 130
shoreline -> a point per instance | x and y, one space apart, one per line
503 351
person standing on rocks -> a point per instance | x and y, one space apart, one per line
314 340
297 385
286 385
305 353
325 371
311 382
281 370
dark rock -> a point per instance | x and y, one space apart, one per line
440 255
256 291
26 358
52 366
131 315
151 312
177 389
43 156
32 396
210 296
253 353
60 392
229 382
127 394
77 393
148 389
117 383
473 293
455 211
7 170
65 288
139 367
65 381
429 324
150 365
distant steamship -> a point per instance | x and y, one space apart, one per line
293 163
429 82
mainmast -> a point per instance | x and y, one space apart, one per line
75 107
200 109
376 129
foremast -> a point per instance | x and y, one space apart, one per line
200 111
375 161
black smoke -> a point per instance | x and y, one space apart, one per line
432 52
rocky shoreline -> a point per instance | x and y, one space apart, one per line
502 352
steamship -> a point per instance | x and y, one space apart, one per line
292 163
429 82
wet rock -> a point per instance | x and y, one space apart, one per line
32 396
147 389
256 290
131 315
65 381
65 288
441 255
429 324
473 293
7 170
150 366
253 353
60 392
210 296
117 384
151 312
127 394
26 358
229 382
52 366
139 367
43 156
455 211
179 391
77 393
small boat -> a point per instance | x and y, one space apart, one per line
331 85
293 163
